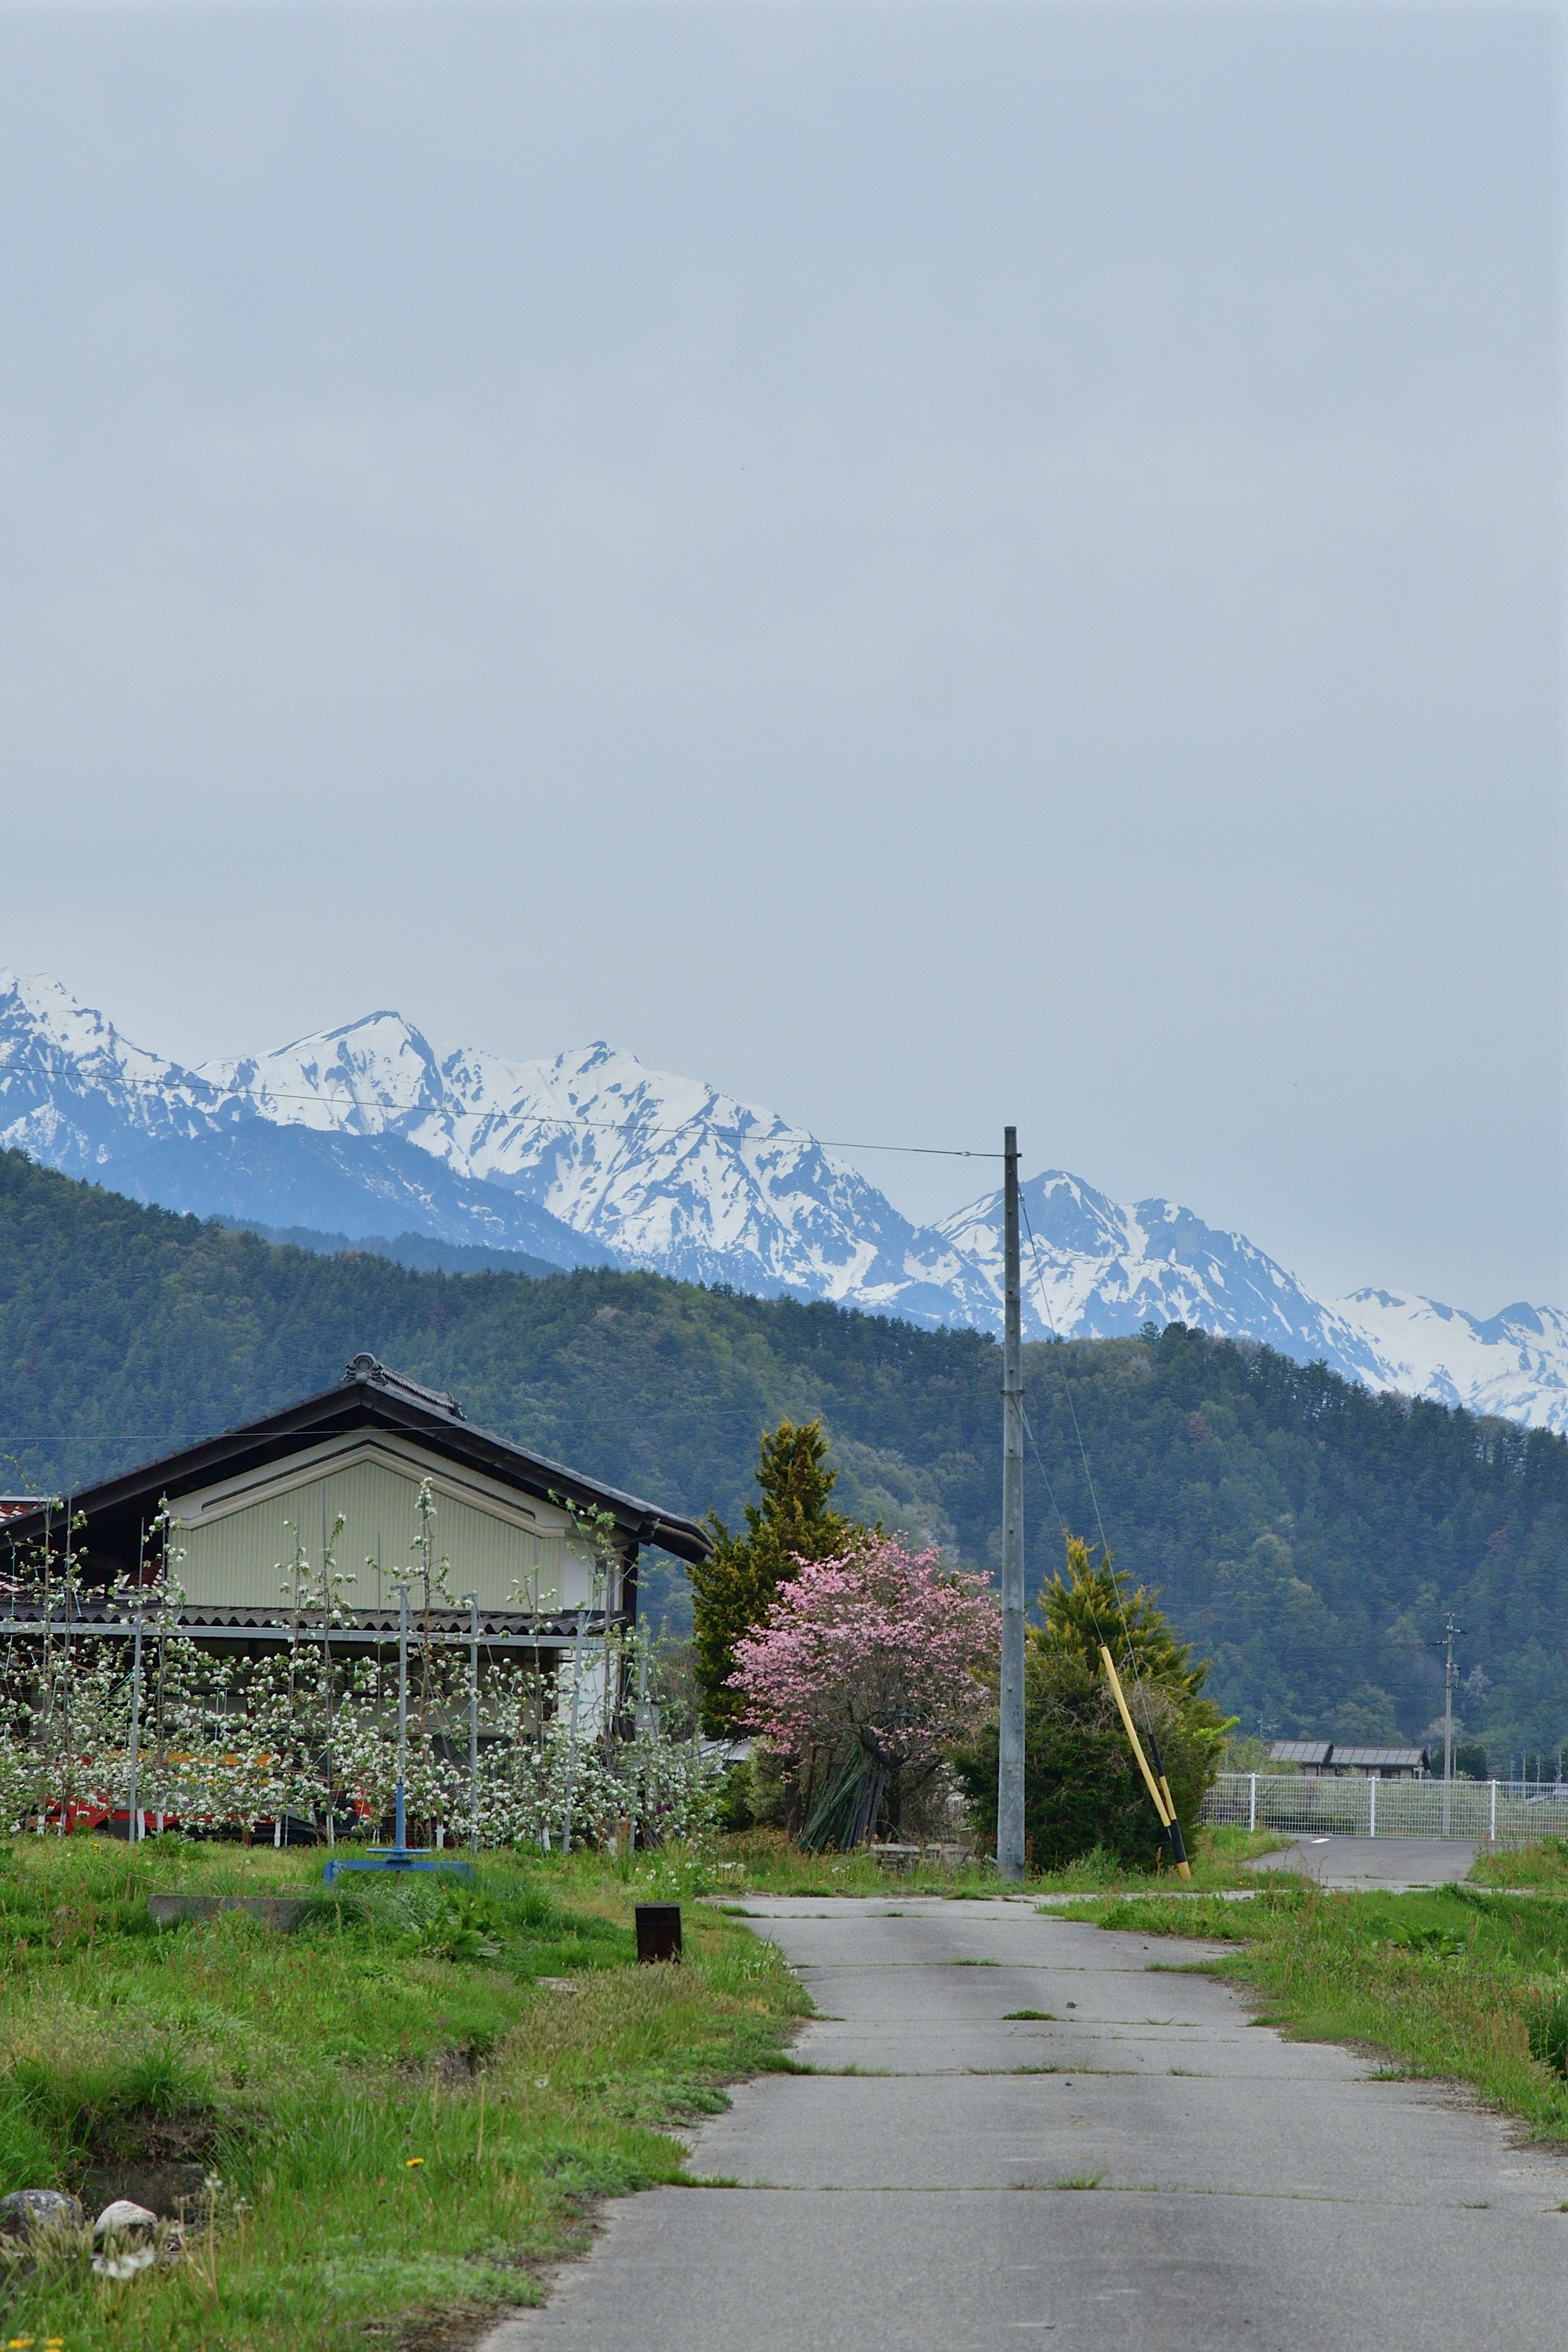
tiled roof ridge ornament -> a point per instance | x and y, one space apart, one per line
373 1373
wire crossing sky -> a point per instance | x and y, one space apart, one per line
930 567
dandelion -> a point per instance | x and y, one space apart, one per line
541 2081
413 2163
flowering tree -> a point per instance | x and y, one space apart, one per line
867 1669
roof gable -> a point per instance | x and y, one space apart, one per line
370 1397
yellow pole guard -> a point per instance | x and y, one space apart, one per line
1159 1790
1113 1679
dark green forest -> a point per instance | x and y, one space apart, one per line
1307 1537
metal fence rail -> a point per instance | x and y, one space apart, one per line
1333 1804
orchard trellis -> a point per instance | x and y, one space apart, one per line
144 1722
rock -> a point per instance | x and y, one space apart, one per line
29 2212
132 2238
123 2219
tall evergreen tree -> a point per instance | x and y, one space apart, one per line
732 1587
1082 1789
1091 1604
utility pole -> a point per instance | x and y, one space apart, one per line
1010 1744
1450 1675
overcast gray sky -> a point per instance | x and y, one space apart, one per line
927 566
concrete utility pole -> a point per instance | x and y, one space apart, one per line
1010 1746
1450 1675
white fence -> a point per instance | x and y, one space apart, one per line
1333 1804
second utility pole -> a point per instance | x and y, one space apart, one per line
1010 1745
1446 1641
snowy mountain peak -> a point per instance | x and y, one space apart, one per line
370 1076
591 1156
73 1090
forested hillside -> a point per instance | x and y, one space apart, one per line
1308 1536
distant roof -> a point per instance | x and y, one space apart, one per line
1325 1754
370 1396
1300 1751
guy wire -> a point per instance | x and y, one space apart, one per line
1131 1656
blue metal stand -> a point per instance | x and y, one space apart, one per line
398 1856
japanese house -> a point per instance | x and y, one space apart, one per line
215 1531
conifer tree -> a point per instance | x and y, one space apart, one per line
1091 1604
1082 1789
732 1589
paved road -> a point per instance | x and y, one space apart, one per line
1396 1865
1246 2192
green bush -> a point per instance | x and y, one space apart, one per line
1082 1788
1082 1785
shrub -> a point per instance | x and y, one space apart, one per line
1082 1787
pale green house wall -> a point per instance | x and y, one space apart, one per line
239 1536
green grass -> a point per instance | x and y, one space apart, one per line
405 2118
1456 1983
1216 1858
1544 1864
763 1862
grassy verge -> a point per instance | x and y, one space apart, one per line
1456 1983
762 1861
408 2101
1543 1865
1217 1859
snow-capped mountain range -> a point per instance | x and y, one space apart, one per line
592 1159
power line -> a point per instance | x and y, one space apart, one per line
620 1126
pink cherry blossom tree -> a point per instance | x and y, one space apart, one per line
868 1670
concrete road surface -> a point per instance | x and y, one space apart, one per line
1397 1866
1142 2171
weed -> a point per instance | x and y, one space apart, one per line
402 2117
1548 2033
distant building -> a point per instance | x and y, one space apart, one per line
241 1504
1381 1763
1332 1755
1310 1754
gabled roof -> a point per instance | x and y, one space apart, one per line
1326 1754
1381 1759
1300 1751
368 1396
